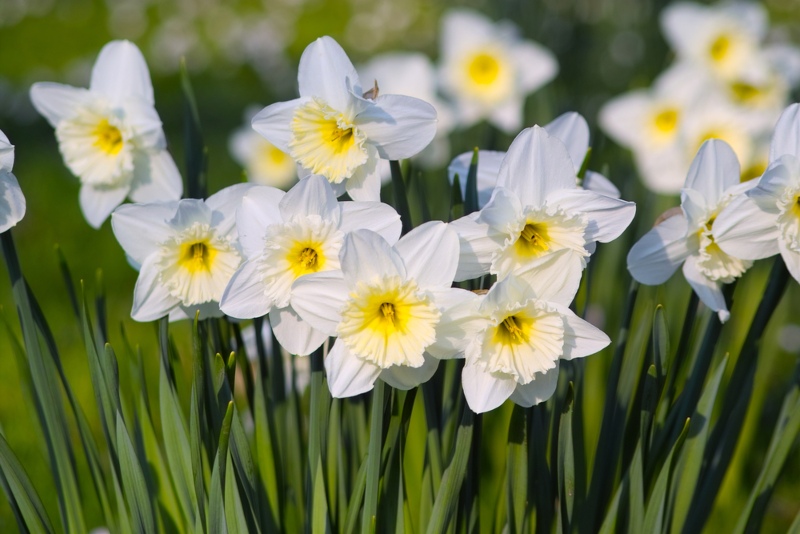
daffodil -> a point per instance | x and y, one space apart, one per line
339 129
536 209
12 202
519 331
766 220
690 236
391 307
110 134
286 237
487 70
185 251
264 163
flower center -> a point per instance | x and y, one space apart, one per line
307 261
666 120
324 142
484 69
513 330
719 48
198 256
533 239
108 138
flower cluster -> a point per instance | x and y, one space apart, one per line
725 84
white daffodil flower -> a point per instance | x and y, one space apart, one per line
391 307
263 162
285 237
536 209
334 131
12 202
518 333
487 70
110 134
185 251
690 237
766 220
571 128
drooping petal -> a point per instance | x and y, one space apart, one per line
318 298
485 391
326 72
120 72
293 333
405 377
430 254
536 165
537 390
745 231
572 130
12 201
366 256
244 296
376 216
477 243
349 375
786 137
657 255
459 324
398 126
714 169
56 102
274 122
224 204
257 211
607 217
310 196
594 181
581 338
151 299
97 203
554 277
155 177
140 228
709 291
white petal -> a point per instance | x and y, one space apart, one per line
155 177
365 183
365 256
786 138
581 338
607 217
572 130
710 292
56 102
459 323
244 296
6 153
398 126
537 390
294 334
536 165
620 116
430 254
375 216
744 231
141 228
349 375
713 170
594 181
326 72
120 72
536 65
274 123
695 208
477 243
151 300
507 116
554 277
310 196
657 255
791 259
503 211
203 311
224 204
485 391
405 377
257 211
12 202
98 203
318 299
489 162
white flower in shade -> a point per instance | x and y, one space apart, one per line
689 237
334 131
185 251
722 38
536 209
264 163
12 202
487 70
285 237
391 307
110 134
413 74
766 220
518 333
570 128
